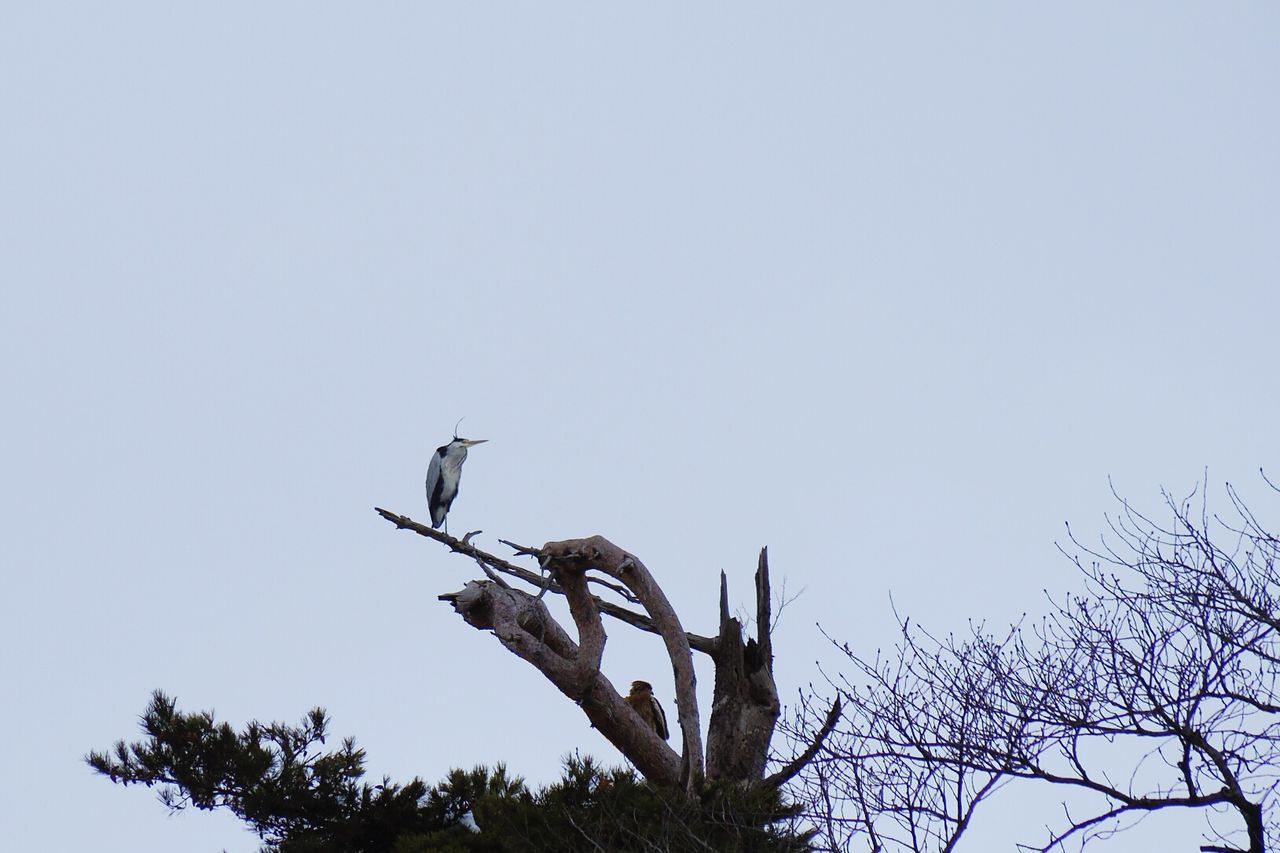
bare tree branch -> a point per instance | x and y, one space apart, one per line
524 627
791 768
570 560
745 705
706 645
1173 648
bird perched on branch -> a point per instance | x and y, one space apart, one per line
642 700
443 475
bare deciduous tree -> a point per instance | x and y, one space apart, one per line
745 705
1156 688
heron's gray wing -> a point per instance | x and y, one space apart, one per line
435 489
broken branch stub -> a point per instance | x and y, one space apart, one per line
745 705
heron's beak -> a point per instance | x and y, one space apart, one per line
470 442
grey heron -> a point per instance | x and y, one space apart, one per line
642 700
443 475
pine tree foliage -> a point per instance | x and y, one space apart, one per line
593 808
274 777
299 798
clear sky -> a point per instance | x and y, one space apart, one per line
893 289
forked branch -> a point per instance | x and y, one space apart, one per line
697 642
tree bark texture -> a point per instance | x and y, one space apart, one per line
524 627
745 705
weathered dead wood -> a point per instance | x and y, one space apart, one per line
571 559
764 610
697 642
745 708
745 705
523 625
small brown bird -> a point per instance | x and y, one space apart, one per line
642 700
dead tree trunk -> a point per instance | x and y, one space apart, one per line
744 707
745 703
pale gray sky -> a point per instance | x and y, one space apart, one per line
893 290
